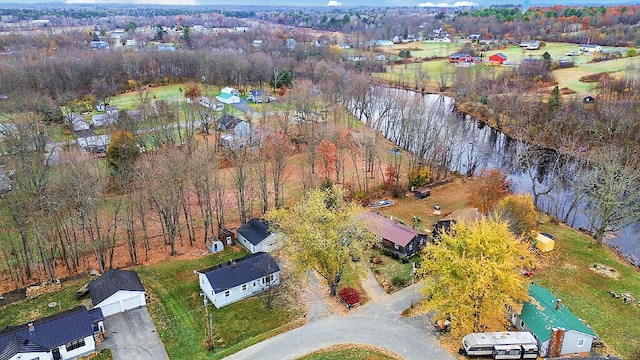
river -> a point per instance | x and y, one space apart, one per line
433 130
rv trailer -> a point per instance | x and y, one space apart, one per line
501 345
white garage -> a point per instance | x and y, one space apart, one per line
117 291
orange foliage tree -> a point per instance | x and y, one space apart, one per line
192 91
491 187
327 152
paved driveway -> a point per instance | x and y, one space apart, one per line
131 335
377 323
243 106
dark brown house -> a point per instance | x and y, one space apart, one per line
399 238
462 215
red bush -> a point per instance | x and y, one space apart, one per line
349 295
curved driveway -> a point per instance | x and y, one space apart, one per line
378 323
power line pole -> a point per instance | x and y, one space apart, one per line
413 272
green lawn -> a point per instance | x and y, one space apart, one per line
570 77
32 309
351 352
392 274
178 312
170 93
569 277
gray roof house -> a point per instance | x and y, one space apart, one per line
239 279
117 291
256 236
65 335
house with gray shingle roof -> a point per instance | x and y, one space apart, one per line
117 291
256 236
65 335
558 331
239 279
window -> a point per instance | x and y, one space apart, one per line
244 287
410 247
254 284
271 277
522 324
395 246
75 344
227 293
581 342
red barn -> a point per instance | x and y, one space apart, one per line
499 58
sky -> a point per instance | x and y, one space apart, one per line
337 3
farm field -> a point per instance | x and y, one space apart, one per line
570 77
406 74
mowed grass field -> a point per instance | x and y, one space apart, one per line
569 273
569 78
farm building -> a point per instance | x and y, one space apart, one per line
498 58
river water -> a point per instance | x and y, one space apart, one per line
433 130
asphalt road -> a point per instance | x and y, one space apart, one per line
378 323
131 335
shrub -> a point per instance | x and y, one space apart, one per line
398 281
349 295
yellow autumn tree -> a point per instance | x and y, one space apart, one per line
473 273
323 234
519 212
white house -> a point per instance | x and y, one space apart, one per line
66 335
256 236
117 291
230 90
239 279
590 48
228 98
558 331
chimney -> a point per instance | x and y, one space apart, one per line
234 264
558 304
32 329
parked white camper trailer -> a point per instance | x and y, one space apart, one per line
501 345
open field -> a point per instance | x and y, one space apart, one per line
570 77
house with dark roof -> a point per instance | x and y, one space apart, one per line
398 238
239 279
65 335
256 236
117 291
461 215
558 331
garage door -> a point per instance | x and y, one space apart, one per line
131 303
110 309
